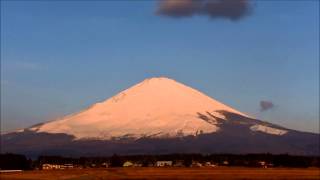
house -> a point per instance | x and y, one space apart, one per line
179 163
163 163
196 164
56 166
127 164
209 164
67 166
270 165
264 164
105 164
150 165
225 163
50 166
137 165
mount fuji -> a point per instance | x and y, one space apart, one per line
158 115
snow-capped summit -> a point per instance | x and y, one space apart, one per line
158 115
155 107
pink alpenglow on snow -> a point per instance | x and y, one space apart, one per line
155 107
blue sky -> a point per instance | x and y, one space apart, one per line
59 57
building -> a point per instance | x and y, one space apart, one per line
105 165
196 164
209 164
264 164
137 165
56 166
51 166
67 166
225 163
127 164
163 163
179 163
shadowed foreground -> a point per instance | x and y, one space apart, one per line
168 173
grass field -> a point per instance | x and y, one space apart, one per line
167 173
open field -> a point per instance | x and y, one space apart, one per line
167 173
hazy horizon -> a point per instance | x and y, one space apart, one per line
58 58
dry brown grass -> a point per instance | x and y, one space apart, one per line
168 173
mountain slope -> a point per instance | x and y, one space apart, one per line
158 115
156 107
235 136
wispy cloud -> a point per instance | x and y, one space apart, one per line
228 9
266 105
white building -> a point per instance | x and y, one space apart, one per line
127 164
163 163
50 166
57 166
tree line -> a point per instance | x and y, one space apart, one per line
17 161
